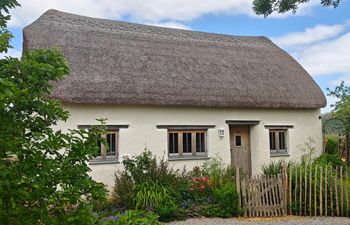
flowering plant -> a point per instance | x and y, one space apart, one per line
201 188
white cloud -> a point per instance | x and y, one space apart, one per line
328 57
322 49
345 78
310 35
11 52
171 24
151 11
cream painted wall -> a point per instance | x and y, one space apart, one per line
142 131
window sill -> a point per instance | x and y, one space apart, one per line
177 158
103 161
280 155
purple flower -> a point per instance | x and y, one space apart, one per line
114 218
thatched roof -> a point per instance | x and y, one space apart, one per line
124 63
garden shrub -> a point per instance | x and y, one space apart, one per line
148 184
226 197
122 194
328 159
215 170
272 168
332 145
215 210
131 217
151 194
168 212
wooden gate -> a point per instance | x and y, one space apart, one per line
262 196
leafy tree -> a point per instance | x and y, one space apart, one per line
43 172
341 110
266 7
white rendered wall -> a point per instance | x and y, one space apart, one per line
142 131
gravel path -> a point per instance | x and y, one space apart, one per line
267 221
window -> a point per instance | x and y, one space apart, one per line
278 141
238 141
110 151
187 143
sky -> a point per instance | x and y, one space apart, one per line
317 37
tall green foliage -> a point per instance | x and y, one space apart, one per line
43 173
341 110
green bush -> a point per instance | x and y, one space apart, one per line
151 194
122 194
148 184
272 169
328 159
216 172
140 171
215 210
226 197
168 212
332 146
132 217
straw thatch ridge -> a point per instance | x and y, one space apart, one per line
123 63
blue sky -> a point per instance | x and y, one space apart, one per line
317 37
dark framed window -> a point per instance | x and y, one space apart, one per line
278 141
187 143
173 142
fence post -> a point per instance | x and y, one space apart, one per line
238 185
321 207
296 188
290 189
315 192
305 188
310 188
244 204
325 191
341 192
331 188
336 190
300 190
347 191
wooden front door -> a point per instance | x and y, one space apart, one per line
240 148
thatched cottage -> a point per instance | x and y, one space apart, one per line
183 94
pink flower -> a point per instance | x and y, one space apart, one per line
202 187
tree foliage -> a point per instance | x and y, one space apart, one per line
341 109
43 173
266 7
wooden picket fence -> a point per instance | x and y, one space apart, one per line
317 190
304 190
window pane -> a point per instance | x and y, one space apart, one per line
272 141
282 140
173 143
111 140
187 142
238 140
200 142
